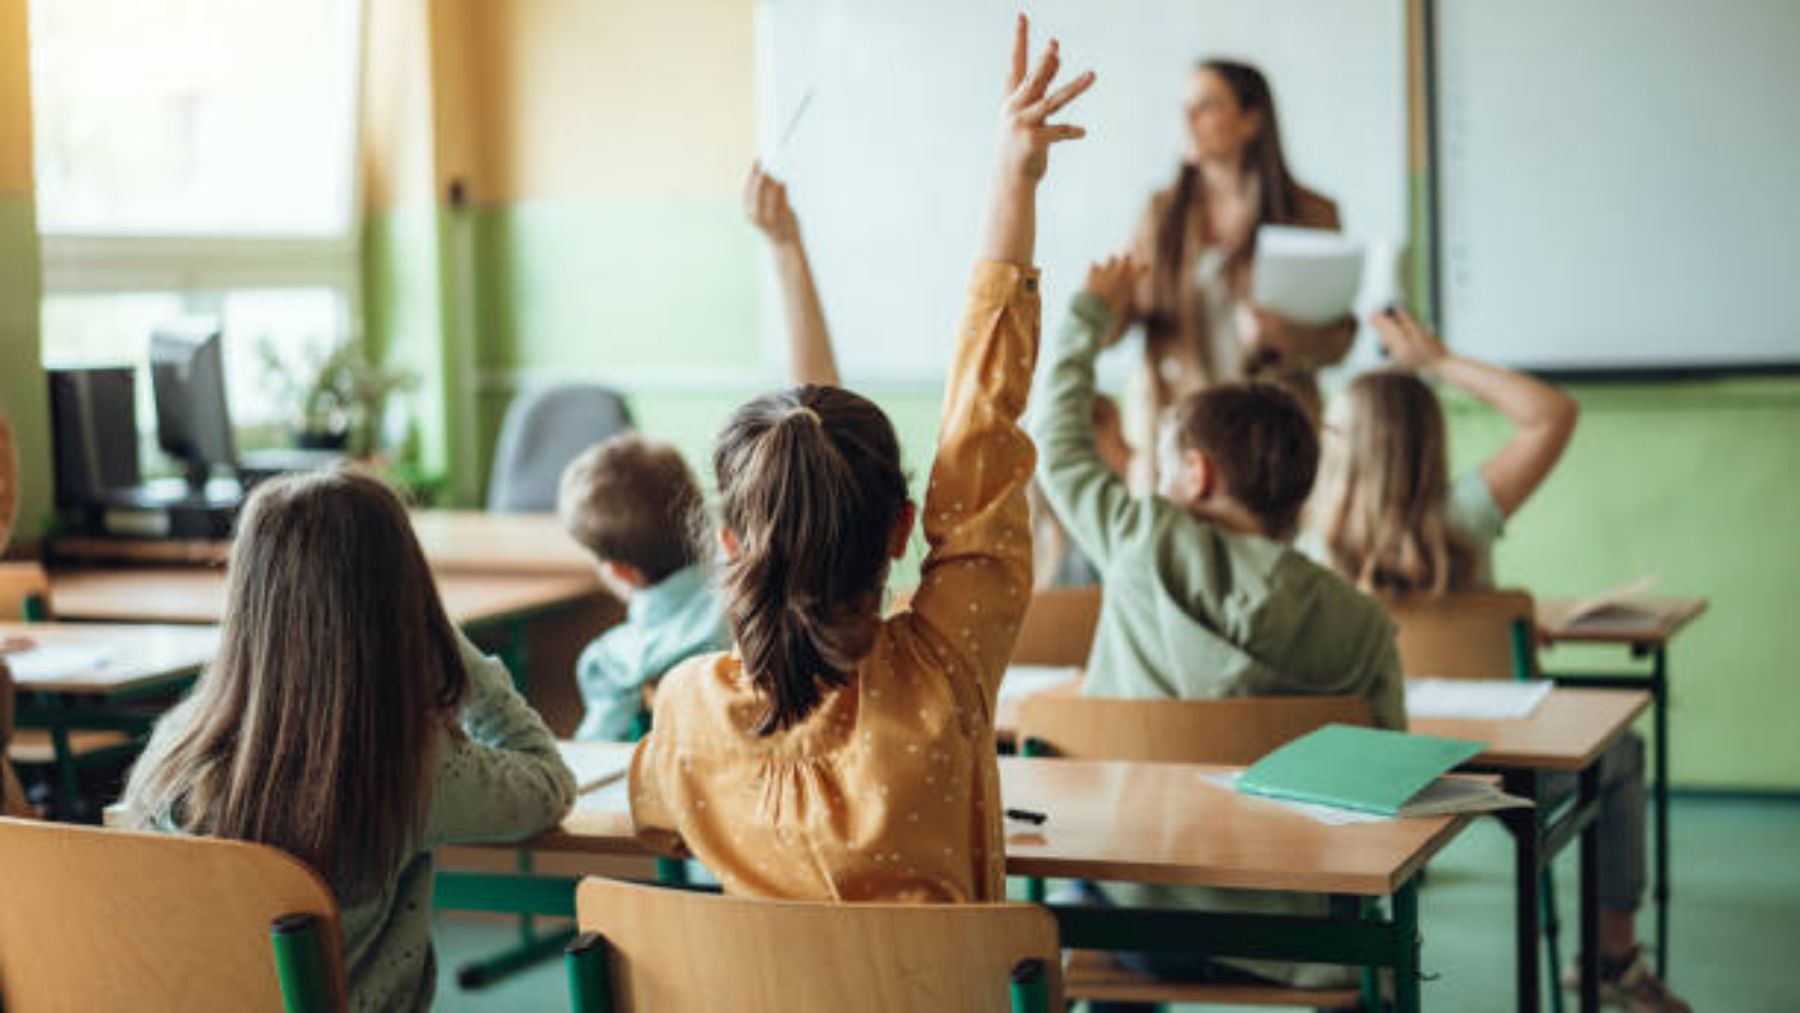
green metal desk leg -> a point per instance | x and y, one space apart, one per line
589 988
671 872
1360 909
300 964
1406 959
1030 987
1659 695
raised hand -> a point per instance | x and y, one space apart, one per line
1115 281
766 205
1025 140
1406 342
1028 132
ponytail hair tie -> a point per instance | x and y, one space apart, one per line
807 413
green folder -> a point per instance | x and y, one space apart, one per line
1366 769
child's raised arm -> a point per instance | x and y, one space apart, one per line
1543 417
810 357
977 576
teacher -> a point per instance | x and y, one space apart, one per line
1198 240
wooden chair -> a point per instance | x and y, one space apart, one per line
1479 635
674 951
1234 731
24 592
1467 635
12 793
1059 627
111 920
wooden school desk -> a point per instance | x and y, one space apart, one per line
122 663
1567 733
1157 823
1645 630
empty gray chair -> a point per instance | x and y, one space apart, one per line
545 429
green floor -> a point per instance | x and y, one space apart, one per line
1736 919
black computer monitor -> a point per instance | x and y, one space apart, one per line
93 433
193 422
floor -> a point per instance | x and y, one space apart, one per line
1735 935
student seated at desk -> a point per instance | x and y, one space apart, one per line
834 755
634 504
1204 596
1389 518
348 723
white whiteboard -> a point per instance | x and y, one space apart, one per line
889 166
1621 181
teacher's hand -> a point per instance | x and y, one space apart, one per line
1267 337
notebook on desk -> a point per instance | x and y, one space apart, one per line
1370 770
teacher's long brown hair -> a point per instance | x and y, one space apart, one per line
1263 157
315 728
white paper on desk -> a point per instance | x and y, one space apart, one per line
596 769
1309 276
57 661
1611 604
1327 814
1481 699
1024 680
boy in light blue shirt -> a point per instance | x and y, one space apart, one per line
634 504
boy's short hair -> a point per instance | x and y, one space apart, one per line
1264 443
631 500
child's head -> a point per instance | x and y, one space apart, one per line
635 505
315 726
814 507
1241 451
1380 507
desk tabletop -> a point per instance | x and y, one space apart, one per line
471 541
1641 621
196 595
1568 730
107 658
1145 822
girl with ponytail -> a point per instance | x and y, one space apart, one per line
834 754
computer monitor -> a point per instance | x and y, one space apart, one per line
193 421
93 433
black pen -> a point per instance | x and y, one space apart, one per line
1026 816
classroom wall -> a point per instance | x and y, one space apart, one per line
608 143
22 390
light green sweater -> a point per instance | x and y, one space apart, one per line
1192 610
505 781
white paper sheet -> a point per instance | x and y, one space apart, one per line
594 769
57 661
1309 276
1024 680
1480 699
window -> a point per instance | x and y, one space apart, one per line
196 157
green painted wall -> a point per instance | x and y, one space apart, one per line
22 388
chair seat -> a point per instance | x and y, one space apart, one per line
1094 974
32 746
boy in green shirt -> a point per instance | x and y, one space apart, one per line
1204 596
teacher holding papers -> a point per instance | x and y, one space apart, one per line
1198 238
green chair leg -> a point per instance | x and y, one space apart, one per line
671 872
300 964
1030 987
590 990
1552 928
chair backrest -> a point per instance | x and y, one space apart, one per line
109 919
1059 627
24 591
1240 730
675 951
546 428
1466 635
